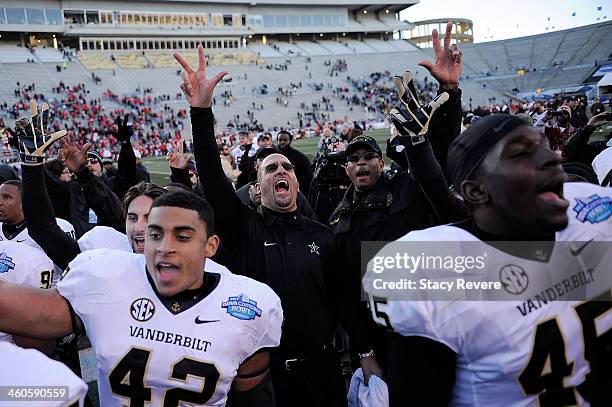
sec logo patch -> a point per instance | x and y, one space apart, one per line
142 309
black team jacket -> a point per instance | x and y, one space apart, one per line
295 256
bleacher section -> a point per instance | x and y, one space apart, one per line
286 48
14 54
403 45
359 47
489 70
49 55
93 61
336 48
264 51
131 61
312 48
380 45
162 60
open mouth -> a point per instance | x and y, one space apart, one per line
362 173
139 243
281 186
553 192
166 271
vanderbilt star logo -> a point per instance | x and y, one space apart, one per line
314 248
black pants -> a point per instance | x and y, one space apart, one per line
315 381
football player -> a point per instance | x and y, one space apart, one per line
27 266
31 368
12 221
164 331
498 353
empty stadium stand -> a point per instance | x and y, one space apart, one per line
14 54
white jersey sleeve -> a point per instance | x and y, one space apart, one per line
103 237
265 331
29 367
25 265
87 280
66 227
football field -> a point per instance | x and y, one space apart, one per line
160 172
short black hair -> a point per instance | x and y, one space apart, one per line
149 189
191 201
14 182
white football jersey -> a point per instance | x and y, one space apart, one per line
103 237
521 353
25 265
29 367
24 237
145 352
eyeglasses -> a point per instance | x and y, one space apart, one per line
66 171
270 168
366 157
92 161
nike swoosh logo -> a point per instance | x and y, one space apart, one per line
269 244
576 251
204 321
20 241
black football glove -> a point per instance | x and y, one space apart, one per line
32 135
409 117
125 130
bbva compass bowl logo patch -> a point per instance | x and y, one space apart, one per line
594 209
6 263
241 307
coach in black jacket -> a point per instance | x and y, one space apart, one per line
378 209
278 246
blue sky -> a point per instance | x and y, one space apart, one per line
497 20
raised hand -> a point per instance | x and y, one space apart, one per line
198 89
177 158
409 117
447 67
32 135
73 157
125 130
597 120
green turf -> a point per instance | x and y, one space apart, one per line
160 172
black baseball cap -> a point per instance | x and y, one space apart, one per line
365 142
264 136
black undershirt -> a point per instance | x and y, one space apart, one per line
188 298
11 231
535 248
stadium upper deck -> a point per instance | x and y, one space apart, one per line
84 24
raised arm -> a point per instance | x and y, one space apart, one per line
179 163
446 69
230 214
99 197
412 121
40 218
35 313
37 207
126 164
